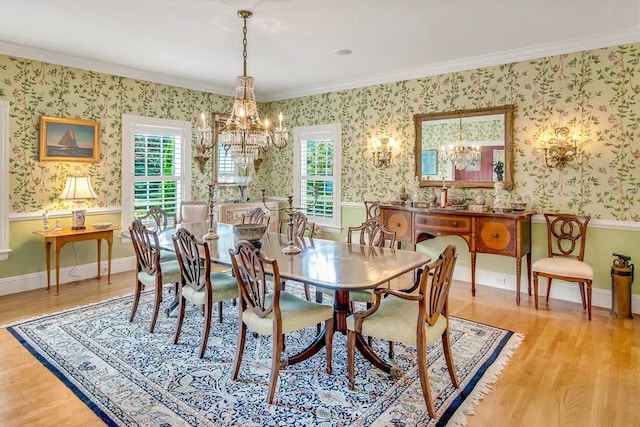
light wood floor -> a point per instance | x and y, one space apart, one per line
568 371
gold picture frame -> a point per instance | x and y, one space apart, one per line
69 140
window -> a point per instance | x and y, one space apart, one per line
155 165
316 158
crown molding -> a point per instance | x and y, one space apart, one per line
498 58
20 51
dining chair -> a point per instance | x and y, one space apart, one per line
156 218
301 227
193 211
268 310
198 285
411 318
372 209
151 270
566 239
256 216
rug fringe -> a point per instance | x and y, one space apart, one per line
484 386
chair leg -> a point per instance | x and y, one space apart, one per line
219 311
275 366
391 351
319 301
421 347
207 326
180 319
242 335
156 307
136 299
351 357
535 289
589 298
581 287
328 343
448 355
548 287
307 292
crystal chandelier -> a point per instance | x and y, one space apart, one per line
244 135
461 154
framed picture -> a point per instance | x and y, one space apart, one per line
429 162
69 140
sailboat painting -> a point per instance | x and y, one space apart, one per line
71 140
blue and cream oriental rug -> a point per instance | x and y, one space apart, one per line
130 377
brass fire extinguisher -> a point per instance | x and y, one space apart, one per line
621 280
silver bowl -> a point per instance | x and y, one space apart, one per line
250 232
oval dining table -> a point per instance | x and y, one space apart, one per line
338 266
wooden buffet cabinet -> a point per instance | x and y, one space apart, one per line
506 234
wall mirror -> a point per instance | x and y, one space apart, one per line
466 148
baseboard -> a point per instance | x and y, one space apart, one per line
559 290
27 282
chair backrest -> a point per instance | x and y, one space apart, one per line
157 217
435 284
194 269
372 232
193 211
146 246
251 269
301 225
566 235
256 216
372 209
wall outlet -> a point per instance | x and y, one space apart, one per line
499 281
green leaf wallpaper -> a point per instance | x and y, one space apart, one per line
595 93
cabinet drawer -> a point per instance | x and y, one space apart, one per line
496 236
400 222
442 224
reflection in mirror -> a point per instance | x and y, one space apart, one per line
466 148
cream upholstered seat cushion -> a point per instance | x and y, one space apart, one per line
297 313
224 287
170 274
362 295
396 320
562 266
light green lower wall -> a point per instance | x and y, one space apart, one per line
601 244
28 250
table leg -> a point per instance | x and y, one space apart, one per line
99 255
529 272
109 247
48 258
473 274
518 273
58 247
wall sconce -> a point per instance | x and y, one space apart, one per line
78 188
382 153
204 143
561 149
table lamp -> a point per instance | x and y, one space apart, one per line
78 188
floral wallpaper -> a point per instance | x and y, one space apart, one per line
35 89
595 93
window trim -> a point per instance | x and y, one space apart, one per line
132 124
331 131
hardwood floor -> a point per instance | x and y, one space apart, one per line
567 372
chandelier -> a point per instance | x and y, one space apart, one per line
461 154
244 135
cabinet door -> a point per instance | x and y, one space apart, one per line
398 221
496 236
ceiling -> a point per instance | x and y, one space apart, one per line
198 43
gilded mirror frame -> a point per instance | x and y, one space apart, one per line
421 119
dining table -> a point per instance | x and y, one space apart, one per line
338 266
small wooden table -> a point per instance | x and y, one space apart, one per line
61 237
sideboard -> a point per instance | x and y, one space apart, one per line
231 213
506 234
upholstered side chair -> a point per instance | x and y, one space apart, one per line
151 270
566 239
198 285
416 319
268 310
193 211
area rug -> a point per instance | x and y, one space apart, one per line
130 377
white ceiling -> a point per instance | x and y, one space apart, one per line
198 43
